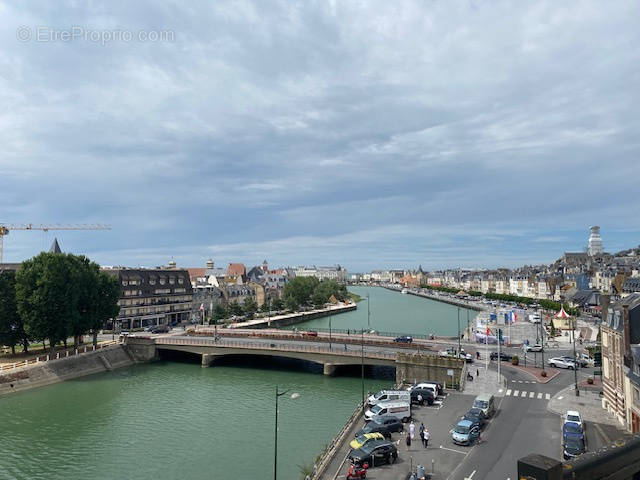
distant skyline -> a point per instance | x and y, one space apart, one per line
378 135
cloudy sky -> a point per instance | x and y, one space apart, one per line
369 134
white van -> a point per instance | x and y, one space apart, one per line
399 410
389 396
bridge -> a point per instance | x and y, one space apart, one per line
409 363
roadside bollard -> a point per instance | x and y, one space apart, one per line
47 357
57 355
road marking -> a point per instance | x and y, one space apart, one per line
524 394
500 391
532 394
515 394
519 381
470 477
547 396
560 397
508 393
452 450
539 395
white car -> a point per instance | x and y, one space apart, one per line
532 348
560 362
574 417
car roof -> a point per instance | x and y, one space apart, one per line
573 412
484 396
465 423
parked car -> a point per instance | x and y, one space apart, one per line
451 352
385 425
476 417
388 396
464 433
574 417
429 384
580 361
404 339
560 362
505 357
310 333
532 348
362 440
426 394
570 429
374 453
160 329
572 447
400 410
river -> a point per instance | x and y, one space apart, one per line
391 311
176 420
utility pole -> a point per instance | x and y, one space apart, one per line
459 347
362 365
575 359
330 346
368 311
499 358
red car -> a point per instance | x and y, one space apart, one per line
310 333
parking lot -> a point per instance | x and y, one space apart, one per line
441 456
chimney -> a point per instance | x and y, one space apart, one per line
627 335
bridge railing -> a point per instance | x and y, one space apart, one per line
272 346
70 352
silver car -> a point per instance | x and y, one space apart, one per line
560 362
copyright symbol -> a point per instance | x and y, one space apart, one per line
23 34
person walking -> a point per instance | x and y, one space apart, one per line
421 427
412 429
422 437
426 436
408 440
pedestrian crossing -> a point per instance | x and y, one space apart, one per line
523 381
527 394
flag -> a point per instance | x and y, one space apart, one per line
514 317
202 307
488 331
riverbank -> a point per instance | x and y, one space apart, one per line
294 318
439 298
27 376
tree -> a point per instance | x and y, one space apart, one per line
106 306
235 308
219 312
47 296
277 304
11 327
249 306
298 292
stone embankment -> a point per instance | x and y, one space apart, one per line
458 302
33 375
293 318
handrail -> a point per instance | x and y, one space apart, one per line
263 346
59 355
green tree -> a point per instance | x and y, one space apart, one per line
47 297
11 327
277 304
219 312
106 306
249 306
298 292
235 308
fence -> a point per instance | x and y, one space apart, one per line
57 356
269 346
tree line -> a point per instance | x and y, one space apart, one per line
309 291
54 296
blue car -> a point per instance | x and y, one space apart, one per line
573 440
464 433
404 339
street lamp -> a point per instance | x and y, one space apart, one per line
275 450
368 311
362 366
575 359
459 347
330 316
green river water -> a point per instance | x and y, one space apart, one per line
176 420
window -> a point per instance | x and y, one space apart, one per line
163 280
180 280
636 396
172 280
605 367
152 280
605 339
125 283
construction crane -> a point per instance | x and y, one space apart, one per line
6 227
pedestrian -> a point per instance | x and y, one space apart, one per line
345 347
427 436
477 373
422 437
408 440
478 355
421 427
412 429
420 399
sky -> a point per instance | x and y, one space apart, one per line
370 134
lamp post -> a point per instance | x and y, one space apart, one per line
575 359
368 311
362 366
275 449
459 346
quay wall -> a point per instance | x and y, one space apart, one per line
293 318
438 298
54 371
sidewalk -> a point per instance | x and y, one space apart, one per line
485 382
589 404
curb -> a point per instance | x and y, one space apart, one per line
546 379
